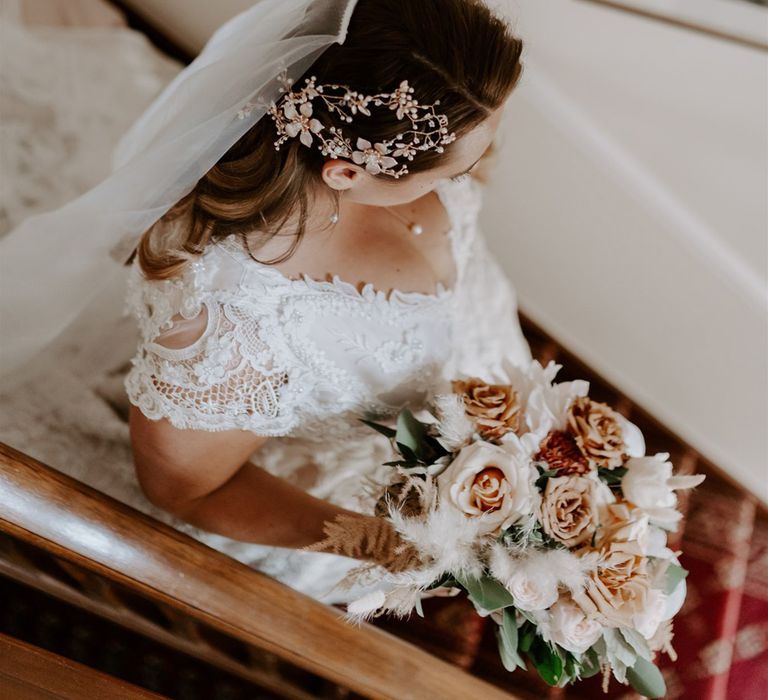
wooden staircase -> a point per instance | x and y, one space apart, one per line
82 547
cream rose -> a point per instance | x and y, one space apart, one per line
494 484
530 594
571 628
569 511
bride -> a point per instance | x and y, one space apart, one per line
326 267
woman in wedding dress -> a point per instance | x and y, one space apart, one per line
313 277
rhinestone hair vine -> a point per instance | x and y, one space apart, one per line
294 117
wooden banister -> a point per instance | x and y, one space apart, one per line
108 550
30 673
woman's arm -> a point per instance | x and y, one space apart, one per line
256 506
205 478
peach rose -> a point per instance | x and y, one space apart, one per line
490 482
570 508
617 589
597 432
495 408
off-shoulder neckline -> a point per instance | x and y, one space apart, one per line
368 292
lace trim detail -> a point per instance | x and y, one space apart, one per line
257 362
229 377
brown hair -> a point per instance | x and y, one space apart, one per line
454 51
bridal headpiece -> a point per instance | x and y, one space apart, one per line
425 129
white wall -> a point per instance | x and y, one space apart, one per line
630 210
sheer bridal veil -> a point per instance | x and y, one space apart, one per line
55 266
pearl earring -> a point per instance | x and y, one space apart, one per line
334 218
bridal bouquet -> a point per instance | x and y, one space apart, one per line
541 505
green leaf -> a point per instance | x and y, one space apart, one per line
673 576
526 634
407 452
590 664
636 641
410 432
486 592
508 631
612 477
646 679
544 475
383 429
547 661
570 664
414 435
445 580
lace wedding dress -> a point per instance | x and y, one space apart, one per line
235 344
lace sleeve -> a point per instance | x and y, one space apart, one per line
216 370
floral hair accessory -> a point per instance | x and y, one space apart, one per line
294 117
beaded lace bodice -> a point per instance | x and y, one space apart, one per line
306 358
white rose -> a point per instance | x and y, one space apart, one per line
531 595
492 483
650 486
571 628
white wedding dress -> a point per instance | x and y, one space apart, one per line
233 343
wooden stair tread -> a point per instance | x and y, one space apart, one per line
28 672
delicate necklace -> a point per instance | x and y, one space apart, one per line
413 226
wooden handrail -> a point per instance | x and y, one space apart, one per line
80 525
28 672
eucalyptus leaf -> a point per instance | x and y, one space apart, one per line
672 578
383 429
526 635
486 592
509 636
408 453
446 579
590 664
646 679
619 651
570 664
415 435
410 432
637 642
507 659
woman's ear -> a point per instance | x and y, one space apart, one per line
340 174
